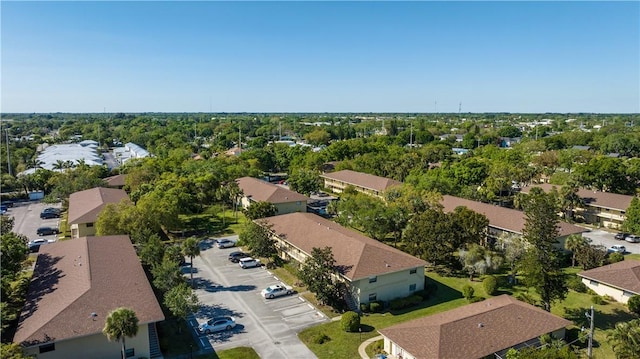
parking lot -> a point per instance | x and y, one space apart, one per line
600 237
268 325
27 218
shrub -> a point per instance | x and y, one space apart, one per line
375 307
596 299
574 283
406 302
320 338
468 291
476 299
364 307
350 321
490 285
634 304
616 257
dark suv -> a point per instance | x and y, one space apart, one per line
50 213
45 231
235 257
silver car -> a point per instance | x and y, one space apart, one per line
225 243
632 238
249 263
217 325
616 248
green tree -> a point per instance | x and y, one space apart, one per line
6 224
573 243
350 322
14 252
541 264
632 221
431 236
166 275
514 247
591 256
12 351
121 323
304 181
634 304
191 248
317 274
257 236
260 209
151 251
468 292
181 301
318 136
625 339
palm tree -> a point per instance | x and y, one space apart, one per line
569 199
573 243
121 323
625 339
191 248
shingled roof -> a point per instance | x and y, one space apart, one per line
503 218
601 199
356 255
85 206
624 275
363 180
73 279
116 181
474 330
261 191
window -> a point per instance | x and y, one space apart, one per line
373 297
593 283
373 279
412 288
413 271
47 348
89 225
298 203
129 353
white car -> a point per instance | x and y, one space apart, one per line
249 263
225 243
217 325
616 248
35 244
277 290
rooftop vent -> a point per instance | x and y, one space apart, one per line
480 325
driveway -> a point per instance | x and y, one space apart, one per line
268 326
607 239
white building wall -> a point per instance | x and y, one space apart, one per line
388 286
618 295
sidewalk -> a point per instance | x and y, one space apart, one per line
363 353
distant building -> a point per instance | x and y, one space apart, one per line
62 156
602 209
129 151
365 183
285 201
85 207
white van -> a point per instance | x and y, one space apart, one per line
249 263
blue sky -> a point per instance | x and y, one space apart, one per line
320 56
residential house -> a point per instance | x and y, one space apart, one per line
75 285
602 209
85 206
485 329
619 280
129 151
371 270
285 201
361 182
117 181
504 220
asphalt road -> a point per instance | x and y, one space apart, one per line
268 326
27 218
607 239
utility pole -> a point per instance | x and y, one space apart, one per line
411 136
6 131
590 347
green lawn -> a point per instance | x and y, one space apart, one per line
448 296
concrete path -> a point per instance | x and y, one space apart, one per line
363 353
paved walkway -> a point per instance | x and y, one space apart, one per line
363 353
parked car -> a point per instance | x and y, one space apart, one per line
249 263
277 290
217 325
632 238
621 236
45 231
235 257
3 209
50 213
617 248
35 244
225 243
